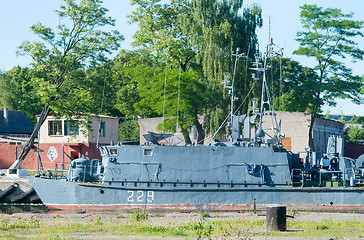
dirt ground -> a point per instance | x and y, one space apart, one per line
58 217
181 217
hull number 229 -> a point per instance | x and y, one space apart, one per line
140 196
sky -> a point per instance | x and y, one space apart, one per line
16 16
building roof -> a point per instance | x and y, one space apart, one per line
17 123
81 115
338 117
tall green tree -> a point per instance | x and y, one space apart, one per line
17 91
189 101
143 91
127 70
81 39
215 29
198 36
292 85
160 30
328 38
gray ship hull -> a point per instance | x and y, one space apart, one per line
57 194
236 173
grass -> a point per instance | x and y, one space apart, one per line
61 227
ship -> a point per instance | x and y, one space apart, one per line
243 171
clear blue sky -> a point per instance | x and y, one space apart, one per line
17 15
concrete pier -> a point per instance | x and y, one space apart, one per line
11 188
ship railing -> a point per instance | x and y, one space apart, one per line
187 184
301 177
59 170
53 170
330 175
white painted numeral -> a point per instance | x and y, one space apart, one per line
130 196
140 196
150 196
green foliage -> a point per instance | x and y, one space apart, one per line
143 91
6 225
244 226
203 209
160 30
61 56
215 29
139 215
98 221
198 37
129 67
353 133
18 92
295 92
34 223
129 131
357 119
203 229
329 38
98 88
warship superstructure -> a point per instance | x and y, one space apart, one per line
243 171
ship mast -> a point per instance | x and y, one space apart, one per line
234 120
266 103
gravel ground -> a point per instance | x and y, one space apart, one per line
59 217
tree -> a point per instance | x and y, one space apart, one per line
62 56
328 39
215 29
17 91
198 36
128 67
143 91
160 30
354 133
129 131
295 91
191 101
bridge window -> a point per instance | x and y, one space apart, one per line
113 151
148 151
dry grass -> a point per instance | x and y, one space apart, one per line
175 225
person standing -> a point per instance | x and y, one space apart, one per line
325 162
333 164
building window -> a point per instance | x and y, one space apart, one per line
71 128
54 128
102 129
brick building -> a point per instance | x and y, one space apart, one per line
15 129
294 126
60 140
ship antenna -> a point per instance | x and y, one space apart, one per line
164 97
280 81
266 99
233 119
102 103
179 86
